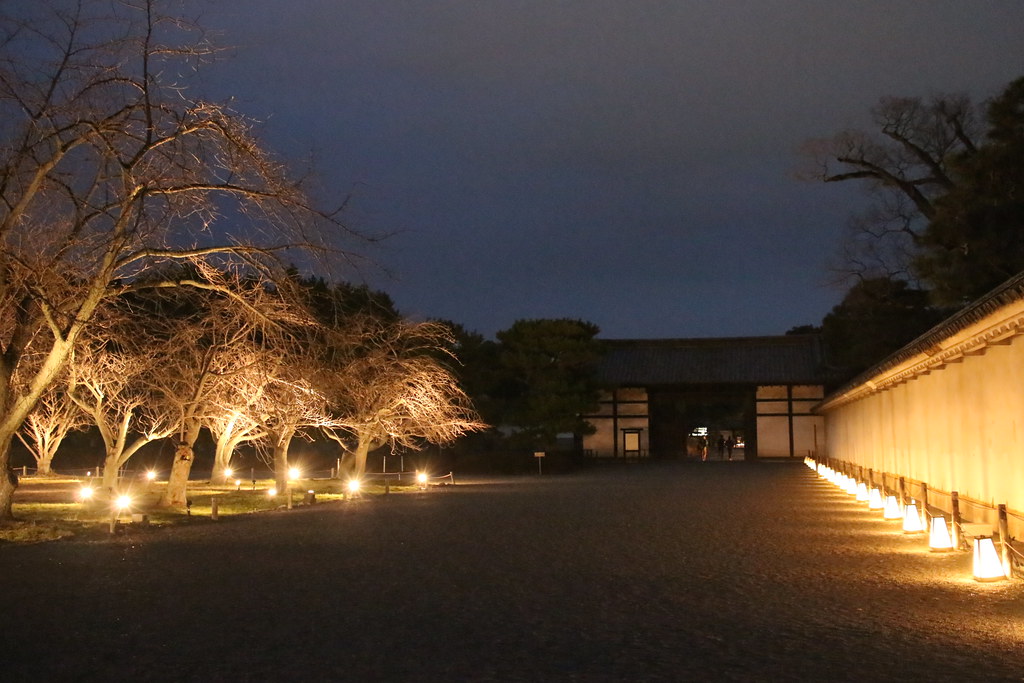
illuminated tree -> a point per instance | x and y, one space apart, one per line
109 383
289 406
388 388
54 417
110 167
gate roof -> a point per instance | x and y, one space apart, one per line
790 359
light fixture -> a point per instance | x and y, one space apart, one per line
272 492
85 493
123 501
151 475
851 486
875 499
293 473
939 540
892 508
354 485
862 492
912 519
228 472
987 566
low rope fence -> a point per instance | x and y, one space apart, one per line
965 515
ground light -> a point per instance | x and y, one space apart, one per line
912 519
875 499
987 565
354 485
228 472
939 540
151 475
271 492
421 479
123 502
862 492
293 473
892 508
85 493
851 486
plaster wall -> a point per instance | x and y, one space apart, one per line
957 425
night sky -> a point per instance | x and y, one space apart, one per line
628 162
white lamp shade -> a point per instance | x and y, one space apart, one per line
939 539
875 501
862 492
892 508
912 519
851 486
987 566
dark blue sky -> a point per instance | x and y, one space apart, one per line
626 162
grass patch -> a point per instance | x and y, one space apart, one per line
47 508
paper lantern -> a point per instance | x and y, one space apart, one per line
987 565
939 539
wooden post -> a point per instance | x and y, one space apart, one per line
955 503
289 497
1004 538
924 498
903 492
213 508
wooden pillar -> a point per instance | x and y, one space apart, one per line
1004 538
955 503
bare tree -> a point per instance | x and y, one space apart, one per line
55 416
289 406
906 165
109 168
212 343
109 383
393 391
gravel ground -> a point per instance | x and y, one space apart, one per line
692 571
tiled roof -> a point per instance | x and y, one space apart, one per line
791 359
1007 293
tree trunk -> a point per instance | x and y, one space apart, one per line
281 464
222 460
359 456
110 470
176 494
44 464
7 480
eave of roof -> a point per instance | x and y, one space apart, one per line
790 359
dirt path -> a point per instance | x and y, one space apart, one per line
715 571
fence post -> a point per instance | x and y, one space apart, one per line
903 491
924 497
1004 537
955 504
213 508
